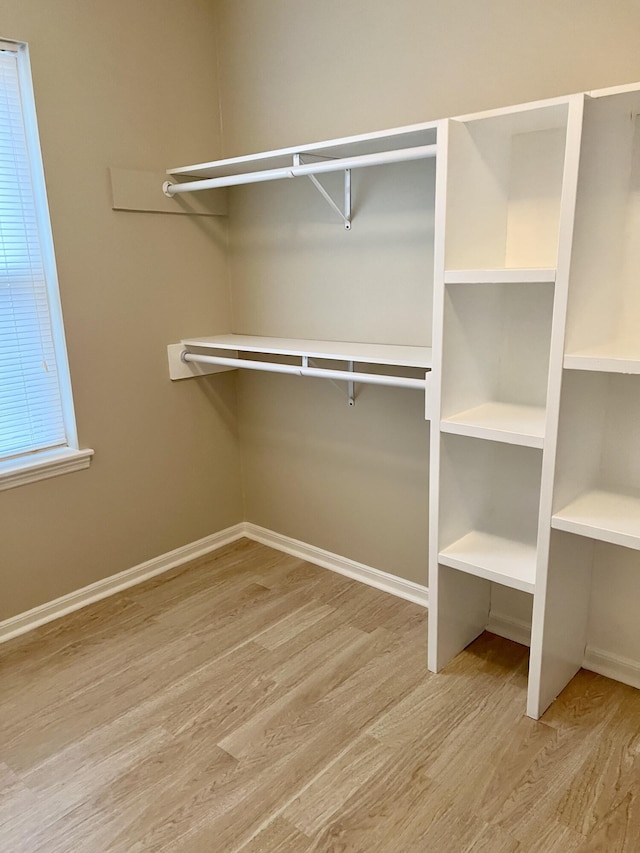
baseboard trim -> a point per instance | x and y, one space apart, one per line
399 587
44 613
517 630
612 666
602 662
596 660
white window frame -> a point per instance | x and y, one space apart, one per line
40 464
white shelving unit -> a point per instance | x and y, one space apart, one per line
505 204
534 393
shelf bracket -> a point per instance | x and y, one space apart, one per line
344 215
351 385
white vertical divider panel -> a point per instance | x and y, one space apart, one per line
434 661
560 605
595 298
458 602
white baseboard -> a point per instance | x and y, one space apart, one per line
24 622
604 663
399 587
613 666
517 630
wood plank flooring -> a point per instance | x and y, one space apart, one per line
252 702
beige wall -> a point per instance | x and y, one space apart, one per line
132 85
299 70
351 480
355 481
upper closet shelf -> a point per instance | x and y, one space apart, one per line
393 142
415 142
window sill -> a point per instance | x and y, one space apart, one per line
40 466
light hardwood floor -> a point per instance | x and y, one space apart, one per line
252 702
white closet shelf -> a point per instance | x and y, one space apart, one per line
604 515
494 558
622 356
506 422
382 354
521 275
228 352
395 139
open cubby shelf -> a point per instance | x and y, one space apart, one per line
598 486
500 276
606 516
496 344
494 489
504 190
621 356
494 558
508 422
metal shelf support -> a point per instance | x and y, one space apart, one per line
346 215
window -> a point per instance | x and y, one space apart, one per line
37 424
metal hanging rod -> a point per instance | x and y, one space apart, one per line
359 161
305 370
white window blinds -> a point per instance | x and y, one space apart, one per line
31 400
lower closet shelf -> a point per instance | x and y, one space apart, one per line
494 558
607 516
228 352
367 353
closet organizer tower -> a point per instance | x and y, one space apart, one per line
534 394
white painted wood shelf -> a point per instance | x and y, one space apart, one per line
614 357
202 355
381 354
494 558
512 424
501 276
603 515
395 139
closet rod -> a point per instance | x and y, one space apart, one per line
400 155
299 370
